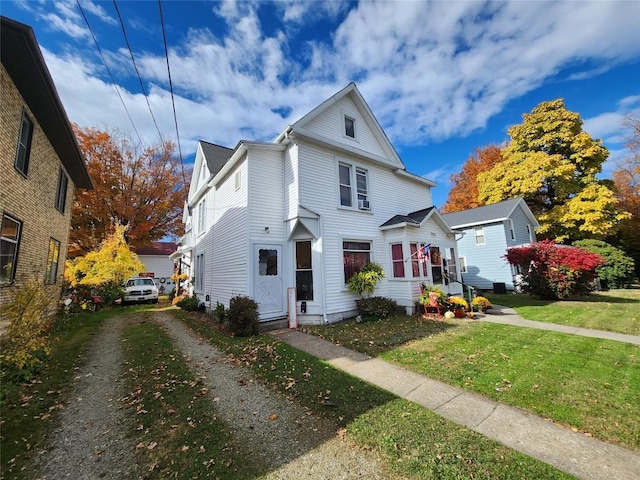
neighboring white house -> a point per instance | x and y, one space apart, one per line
306 211
158 264
486 234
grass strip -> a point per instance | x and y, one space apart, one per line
174 423
591 385
613 311
28 409
415 442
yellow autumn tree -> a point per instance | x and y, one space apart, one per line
553 164
112 263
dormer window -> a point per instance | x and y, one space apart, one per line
349 127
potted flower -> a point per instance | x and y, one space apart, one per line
459 306
481 304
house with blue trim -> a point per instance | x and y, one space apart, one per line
484 235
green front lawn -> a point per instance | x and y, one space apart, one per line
415 442
614 311
588 384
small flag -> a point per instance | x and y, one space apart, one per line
423 252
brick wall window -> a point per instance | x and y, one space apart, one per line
9 243
52 261
61 191
24 144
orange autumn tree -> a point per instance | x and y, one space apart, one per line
464 192
140 188
627 182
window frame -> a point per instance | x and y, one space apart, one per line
419 263
304 269
198 285
397 261
61 191
345 241
479 236
201 216
462 262
512 229
357 187
352 128
16 248
23 151
53 261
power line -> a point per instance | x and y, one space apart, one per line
124 32
113 81
173 103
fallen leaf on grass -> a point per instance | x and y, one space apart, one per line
152 445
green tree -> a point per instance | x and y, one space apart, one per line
618 269
105 268
552 163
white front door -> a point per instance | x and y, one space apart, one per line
268 289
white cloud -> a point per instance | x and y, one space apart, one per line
429 70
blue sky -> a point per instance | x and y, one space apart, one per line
442 77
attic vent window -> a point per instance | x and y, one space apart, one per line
349 127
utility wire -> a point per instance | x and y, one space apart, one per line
173 103
113 81
124 32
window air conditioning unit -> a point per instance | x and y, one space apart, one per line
363 205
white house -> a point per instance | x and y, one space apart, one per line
306 211
157 263
486 234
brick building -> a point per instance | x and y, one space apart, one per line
41 165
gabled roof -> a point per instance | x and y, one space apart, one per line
23 60
352 91
215 155
495 212
157 248
416 219
413 218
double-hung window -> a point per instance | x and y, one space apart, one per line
61 191
348 176
397 260
52 261
355 254
24 144
201 216
9 241
344 172
479 234
199 273
512 230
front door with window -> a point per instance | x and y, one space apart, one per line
268 285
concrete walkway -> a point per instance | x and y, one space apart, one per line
508 316
571 452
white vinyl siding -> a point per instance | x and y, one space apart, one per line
228 242
331 125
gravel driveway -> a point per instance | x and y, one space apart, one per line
296 445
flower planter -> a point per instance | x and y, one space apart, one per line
459 313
